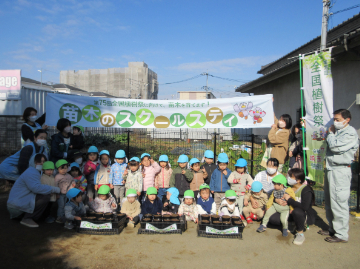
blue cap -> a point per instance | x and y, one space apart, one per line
93 149
241 163
72 193
144 155
209 154
104 152
120 154
183 159
256 186
223 158
194 160
163 158
75 165
134 159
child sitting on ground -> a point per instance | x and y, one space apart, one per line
89 170
74 208
261 199
131 207
102 172
181 176
65 182
162 179
273 205
152 204
240 181
188 207
47 178
104 202
80 179
171 201
149 170
229 206
133 178
205 203
116 176
199 176
209 164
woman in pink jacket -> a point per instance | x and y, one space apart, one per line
149 170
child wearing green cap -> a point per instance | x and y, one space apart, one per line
188 207
181 176
229 206
205 203
47 178
104 202
131 207
274 204
152 203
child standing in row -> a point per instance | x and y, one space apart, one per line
89 170
149 169
218 182
116 179
261 199
209 165
133 177
102 172
171 202
47 178
181 176
74 208
188 207
162 179
131 207
205 202
104 202
80 179
199 176
240 181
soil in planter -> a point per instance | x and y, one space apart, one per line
215 217
205 217
235 219
205 222
91 214
166 218
99 215
227 222
226 218
174 215
174 220
217 222
102 219
147 220
237 223
148 215
90 218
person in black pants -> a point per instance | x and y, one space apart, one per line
303 211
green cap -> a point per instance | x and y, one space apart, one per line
80 127
131 193
204 186
280 178
151 190
230 194
189 194
60 163
104 189
48 165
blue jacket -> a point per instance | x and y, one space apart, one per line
218 182
151 208
23 193
116 174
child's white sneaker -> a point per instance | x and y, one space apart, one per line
299 239
131 224
69 225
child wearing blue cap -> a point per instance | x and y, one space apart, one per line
74 208
116 179
102 172
209 164
80 179
133 177
171 202
199 176
92 162
181 176
162 179
261 199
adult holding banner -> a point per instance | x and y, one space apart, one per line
31 124
342 143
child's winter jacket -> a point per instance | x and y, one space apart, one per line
116 173
150 173
180 181
218 182
72 210
245 182
162 179
64 182
105 206
134 180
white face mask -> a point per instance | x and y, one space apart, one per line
79 160
33 118
271 171
282 124
291 181
67 129
41 142
339 125
38 167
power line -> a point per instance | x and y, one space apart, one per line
195 77
346 9
229 79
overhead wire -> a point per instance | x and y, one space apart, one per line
346 9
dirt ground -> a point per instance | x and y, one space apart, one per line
52 246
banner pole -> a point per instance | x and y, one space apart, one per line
302 113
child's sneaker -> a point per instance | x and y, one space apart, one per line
50 219
131 224
69 225
242 217
285 233
249 220
261 229
254 217
299 239
60 220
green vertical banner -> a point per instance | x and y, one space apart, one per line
318 93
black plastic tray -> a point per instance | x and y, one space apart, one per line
113 231
144 231
201 230
115 221
182 226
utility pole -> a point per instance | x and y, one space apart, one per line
324 25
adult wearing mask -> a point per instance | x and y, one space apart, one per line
60 142
342 142
12 167
31 124
28 195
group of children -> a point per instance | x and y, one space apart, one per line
141 186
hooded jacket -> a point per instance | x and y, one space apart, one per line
150 172
218 182
58 147
180 181
72 210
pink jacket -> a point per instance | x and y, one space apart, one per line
150 172
64 182
86 167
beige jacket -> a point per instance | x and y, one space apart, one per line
197 180
279 139
245 181
262 199
131 210
49 180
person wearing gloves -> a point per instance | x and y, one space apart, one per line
188 207
102 172
181 177
152 203
60 142
240 181
209 165
229 206
205 202
90 166
162 179
171 202
74 208
133 177
199 176
342 142
131 207
261 199
47 178
104 203
218 182
149 170
28 195
116 179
